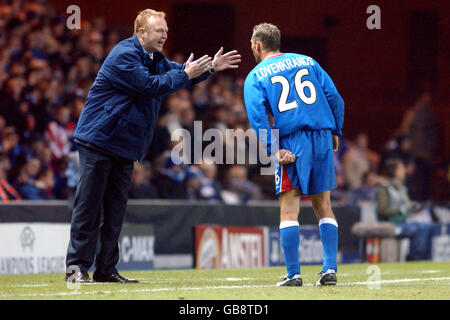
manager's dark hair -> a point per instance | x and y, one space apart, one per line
269 35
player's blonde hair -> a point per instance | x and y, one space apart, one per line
142 18
269 35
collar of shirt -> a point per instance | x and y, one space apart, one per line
149 58
274 55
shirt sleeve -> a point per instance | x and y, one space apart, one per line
129 75
334 99
256 113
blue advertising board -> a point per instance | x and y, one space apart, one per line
310 248
440 242
136 244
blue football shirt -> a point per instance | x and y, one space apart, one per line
297 92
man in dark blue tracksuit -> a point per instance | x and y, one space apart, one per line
114 130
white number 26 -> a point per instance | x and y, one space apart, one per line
300 85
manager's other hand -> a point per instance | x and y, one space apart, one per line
229 60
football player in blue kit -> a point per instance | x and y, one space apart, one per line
308 115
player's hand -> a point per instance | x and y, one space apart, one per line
335 143
284 156
229 60
197 67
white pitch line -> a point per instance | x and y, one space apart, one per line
29 285
72 293
130 291
237 279
397 281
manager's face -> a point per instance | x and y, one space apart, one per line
154 34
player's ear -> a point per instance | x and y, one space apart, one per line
259 45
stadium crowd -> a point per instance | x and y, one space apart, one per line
46 71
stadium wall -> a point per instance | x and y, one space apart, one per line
157 233
162 234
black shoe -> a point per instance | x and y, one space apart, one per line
78 277
295 281
113 277
327 278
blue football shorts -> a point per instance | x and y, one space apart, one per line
313 169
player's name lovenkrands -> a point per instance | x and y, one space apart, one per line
282 65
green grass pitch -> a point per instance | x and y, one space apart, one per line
412 280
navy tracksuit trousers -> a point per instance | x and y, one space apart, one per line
99 208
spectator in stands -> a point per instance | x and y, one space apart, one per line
180 106
394 205
169 178
201 182
237 182
200 97
141 188
7 192
11 99
27 175
356 162
60 188
162 138
45 183
400 147
210 188
59 132
368 189
193 182
419 124
34 184
10 143
72 174
339 170
178 114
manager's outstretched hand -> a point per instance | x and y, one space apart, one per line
197 67
229 60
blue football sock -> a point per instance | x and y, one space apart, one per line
329 235
290 240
